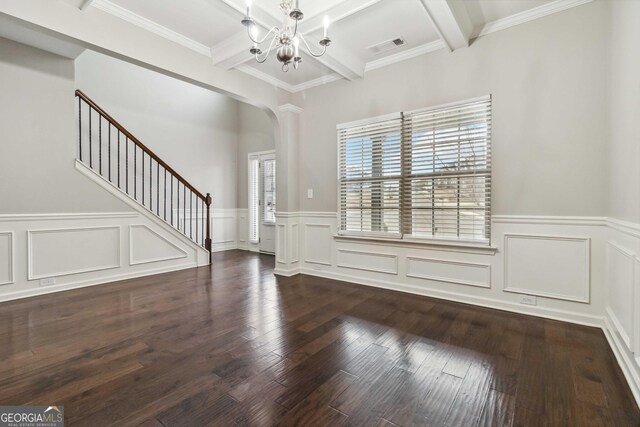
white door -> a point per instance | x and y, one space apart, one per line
262 201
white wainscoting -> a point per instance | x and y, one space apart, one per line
224 229
67 251
492 277
548 266
6 258
368 261
243 229
317 243
57 252
442 270
622 311
148 246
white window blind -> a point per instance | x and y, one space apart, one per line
424 174
269 191
370 176
254 205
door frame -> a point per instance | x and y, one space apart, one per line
260 155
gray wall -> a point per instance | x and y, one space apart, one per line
624 190
38 138
194 130
256 133
548 81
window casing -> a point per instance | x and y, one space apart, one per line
423 174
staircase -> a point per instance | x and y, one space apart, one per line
110 150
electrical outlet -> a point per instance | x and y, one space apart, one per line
47 282
528 300
310 193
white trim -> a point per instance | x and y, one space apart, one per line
91 282
104 183
10 258
286 273
618 327
447 279
629 366
636 308
404 55
586 240
320 81
132 262
316 261
30 233
630 228
438 245
547 313
280 255
247 69
549 220
155 28
371 254
67 216
290 108
529 15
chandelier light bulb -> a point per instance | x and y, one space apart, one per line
254 34
249 7
296 44
326 23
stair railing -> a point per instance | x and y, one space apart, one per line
114 153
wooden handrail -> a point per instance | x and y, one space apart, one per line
144 148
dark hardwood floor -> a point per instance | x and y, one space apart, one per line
234 345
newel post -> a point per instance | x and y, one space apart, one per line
207 241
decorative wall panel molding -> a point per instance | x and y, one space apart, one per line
636 308
281 243
317 243
548 266
147 246
368 261
65 251
294 255
461 273
620 287
6 258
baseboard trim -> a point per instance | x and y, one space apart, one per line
286 273
629 367
91 282
547 313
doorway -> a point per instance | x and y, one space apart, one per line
262 202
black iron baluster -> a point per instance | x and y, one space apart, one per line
135 166
90 142
109 149
142 177
165 194
178 204
126 164
100 143
171 211
80 124
196 220
190 214
184 201
119 158
202 219
158 188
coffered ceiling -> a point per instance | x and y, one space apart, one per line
212 28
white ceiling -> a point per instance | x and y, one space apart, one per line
212 27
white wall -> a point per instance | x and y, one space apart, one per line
38 138
623 240
194 130
549 128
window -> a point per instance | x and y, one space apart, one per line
424 174
269 213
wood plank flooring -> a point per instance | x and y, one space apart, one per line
234 345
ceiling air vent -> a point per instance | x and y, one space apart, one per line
387 45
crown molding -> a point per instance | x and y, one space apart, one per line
404 55
287 86
529 15
135 19
290 108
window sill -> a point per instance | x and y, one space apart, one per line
443 245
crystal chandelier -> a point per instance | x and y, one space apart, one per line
285 40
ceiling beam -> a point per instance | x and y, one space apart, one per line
233 51
451 20
85 4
